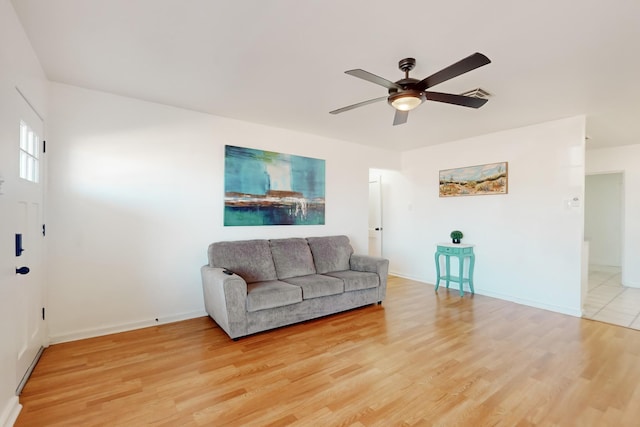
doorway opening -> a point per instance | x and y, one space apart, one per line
375 215
607 299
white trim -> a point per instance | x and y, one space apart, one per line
30 369
404 276
30 104
576 312
10 413
125 327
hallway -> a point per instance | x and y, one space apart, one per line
608 301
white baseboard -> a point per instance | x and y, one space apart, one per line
404 276
10 412
594 266
124 327
576 312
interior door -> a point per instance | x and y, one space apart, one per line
30 326
375 217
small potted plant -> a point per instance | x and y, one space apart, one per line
456 235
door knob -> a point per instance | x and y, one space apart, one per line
22 270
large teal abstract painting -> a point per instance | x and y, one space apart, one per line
267 188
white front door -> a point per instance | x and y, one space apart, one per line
30 325
375 217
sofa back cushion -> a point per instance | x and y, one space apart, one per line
292 258
330 253
250 259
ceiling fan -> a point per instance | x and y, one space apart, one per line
406 94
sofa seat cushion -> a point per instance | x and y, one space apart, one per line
330 253
292 257
270 294
249 259
317 285
356 280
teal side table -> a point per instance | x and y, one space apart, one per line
461 251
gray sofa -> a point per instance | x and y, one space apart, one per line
255 285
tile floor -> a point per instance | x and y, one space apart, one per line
608 301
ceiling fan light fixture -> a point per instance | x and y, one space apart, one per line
406 101
408 93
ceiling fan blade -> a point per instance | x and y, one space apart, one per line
465 65
365 75
400 117
449 98
359 104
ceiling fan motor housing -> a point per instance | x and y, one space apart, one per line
407 98
407 91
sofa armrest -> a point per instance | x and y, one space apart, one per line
225 300
374 265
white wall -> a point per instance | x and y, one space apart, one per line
19 68
624 159
136 195
528 242
603 218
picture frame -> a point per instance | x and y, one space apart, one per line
487 179
268 188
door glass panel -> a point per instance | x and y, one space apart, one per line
29 149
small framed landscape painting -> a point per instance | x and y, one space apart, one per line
492 178
267 188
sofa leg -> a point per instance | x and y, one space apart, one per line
379 302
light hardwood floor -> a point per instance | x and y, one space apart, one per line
419 359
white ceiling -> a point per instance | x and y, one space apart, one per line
282 62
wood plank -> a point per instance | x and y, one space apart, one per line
421 358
